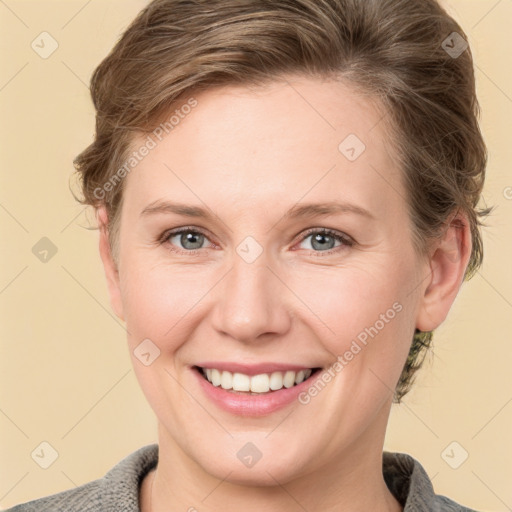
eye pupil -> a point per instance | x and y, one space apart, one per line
320 238
196 239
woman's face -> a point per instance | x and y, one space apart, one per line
252 281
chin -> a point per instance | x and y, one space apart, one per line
254 461
262 474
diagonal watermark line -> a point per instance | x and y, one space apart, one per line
199 403
420 283
14 76
403 403
379 120
486 14
494 83
5 5
94 298
220 482
490 284
73 220
75 74
310 105
76 14
304 195
506 403
205 205
404 198
76 485
426 426
82 418
303 303
287 492
14 423
13 218
197 302
508 508
13 279
12 488
282 421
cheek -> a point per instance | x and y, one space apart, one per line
365 315
350 299
159 301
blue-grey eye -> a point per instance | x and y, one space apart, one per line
322 241
188 239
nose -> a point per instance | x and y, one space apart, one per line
252 302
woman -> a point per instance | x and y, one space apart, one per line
286 194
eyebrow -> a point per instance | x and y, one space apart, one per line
298 211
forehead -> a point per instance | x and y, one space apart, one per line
254 146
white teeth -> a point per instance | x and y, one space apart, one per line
276 381
299 377
241 382
226 380
289 379
215 379
261 383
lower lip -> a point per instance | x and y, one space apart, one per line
252 405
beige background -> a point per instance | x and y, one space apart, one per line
65 373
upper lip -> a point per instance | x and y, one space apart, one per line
253 369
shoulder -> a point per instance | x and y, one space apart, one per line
116 491
409 482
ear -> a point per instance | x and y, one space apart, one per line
109 265
448 260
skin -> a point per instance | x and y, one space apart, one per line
249 155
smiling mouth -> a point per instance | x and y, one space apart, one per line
255 384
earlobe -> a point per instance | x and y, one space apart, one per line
448 261
109 265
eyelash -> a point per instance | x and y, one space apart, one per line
345 240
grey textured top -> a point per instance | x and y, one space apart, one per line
118 489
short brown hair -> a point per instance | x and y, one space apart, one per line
400 52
